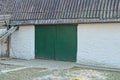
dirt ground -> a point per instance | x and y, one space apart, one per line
12 72
15 69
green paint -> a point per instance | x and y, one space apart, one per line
57 42
44 42
66 43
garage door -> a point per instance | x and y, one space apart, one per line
57 42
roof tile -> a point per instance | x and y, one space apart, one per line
61 9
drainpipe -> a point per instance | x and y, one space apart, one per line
8 44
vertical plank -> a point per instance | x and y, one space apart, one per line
66 42
44 42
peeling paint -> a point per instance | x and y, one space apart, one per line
3 45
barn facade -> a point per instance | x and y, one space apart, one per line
84 31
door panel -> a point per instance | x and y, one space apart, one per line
58 42
66 43
45 41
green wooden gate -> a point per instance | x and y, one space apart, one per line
57 42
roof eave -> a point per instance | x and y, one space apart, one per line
62 21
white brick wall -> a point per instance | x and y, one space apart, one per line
22 43
99 44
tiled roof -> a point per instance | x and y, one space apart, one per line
61 11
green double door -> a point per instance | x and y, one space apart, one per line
57 42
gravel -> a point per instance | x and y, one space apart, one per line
73 74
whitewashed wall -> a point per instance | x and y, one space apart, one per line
99 44
22 43
3 44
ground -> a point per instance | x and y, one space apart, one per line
29 70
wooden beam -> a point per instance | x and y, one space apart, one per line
4 19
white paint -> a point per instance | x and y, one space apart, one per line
3 44
22 43
11 70
99 44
